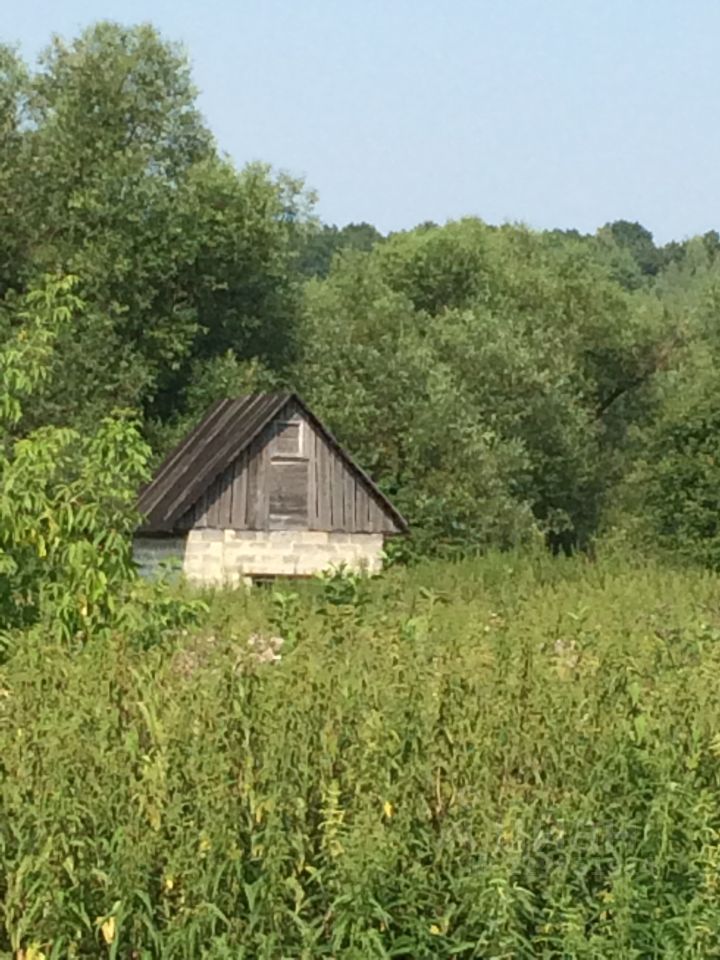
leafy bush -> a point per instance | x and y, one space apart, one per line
67 502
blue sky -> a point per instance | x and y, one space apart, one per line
564 113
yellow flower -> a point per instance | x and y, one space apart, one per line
435 930
108 930
388 809
33 952
169 882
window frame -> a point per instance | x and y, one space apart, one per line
302 453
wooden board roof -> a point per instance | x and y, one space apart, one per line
227 429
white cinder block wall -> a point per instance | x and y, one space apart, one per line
152 553
231 556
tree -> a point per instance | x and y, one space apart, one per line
377 374
114 177
67 499
323 242
670 495
631 251
13 87
487 377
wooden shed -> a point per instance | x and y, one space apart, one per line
261 488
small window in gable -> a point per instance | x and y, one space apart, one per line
288 441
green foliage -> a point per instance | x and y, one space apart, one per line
321 243
668 496
209 380
682 492
501 384
486 377
672 490
510 757
631 251
67 500
108 172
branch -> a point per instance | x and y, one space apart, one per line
659 362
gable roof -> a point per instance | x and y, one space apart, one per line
227 429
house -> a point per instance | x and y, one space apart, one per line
261 488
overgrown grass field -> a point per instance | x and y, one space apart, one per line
509 757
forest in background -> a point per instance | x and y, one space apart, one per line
500 383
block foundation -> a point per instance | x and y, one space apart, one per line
216 557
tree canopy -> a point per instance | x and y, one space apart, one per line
501 383
108 172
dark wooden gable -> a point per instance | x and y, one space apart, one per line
291 474
341 498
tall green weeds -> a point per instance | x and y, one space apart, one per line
514 757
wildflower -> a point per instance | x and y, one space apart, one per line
265 649
33 952
108 930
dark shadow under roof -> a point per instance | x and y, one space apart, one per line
227 429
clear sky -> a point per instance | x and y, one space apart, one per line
557 113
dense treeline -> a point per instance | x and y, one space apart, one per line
499 382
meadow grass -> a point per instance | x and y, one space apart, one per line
513 756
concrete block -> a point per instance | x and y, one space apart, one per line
200 549
240 546
314 537
313 548
234 557
279 538
231 556
315 561
272 565
154 555
336 537
206 535
235 561
242 535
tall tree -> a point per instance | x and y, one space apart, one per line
631 250
486 376
114 177
323 242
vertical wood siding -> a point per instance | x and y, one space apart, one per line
337 498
